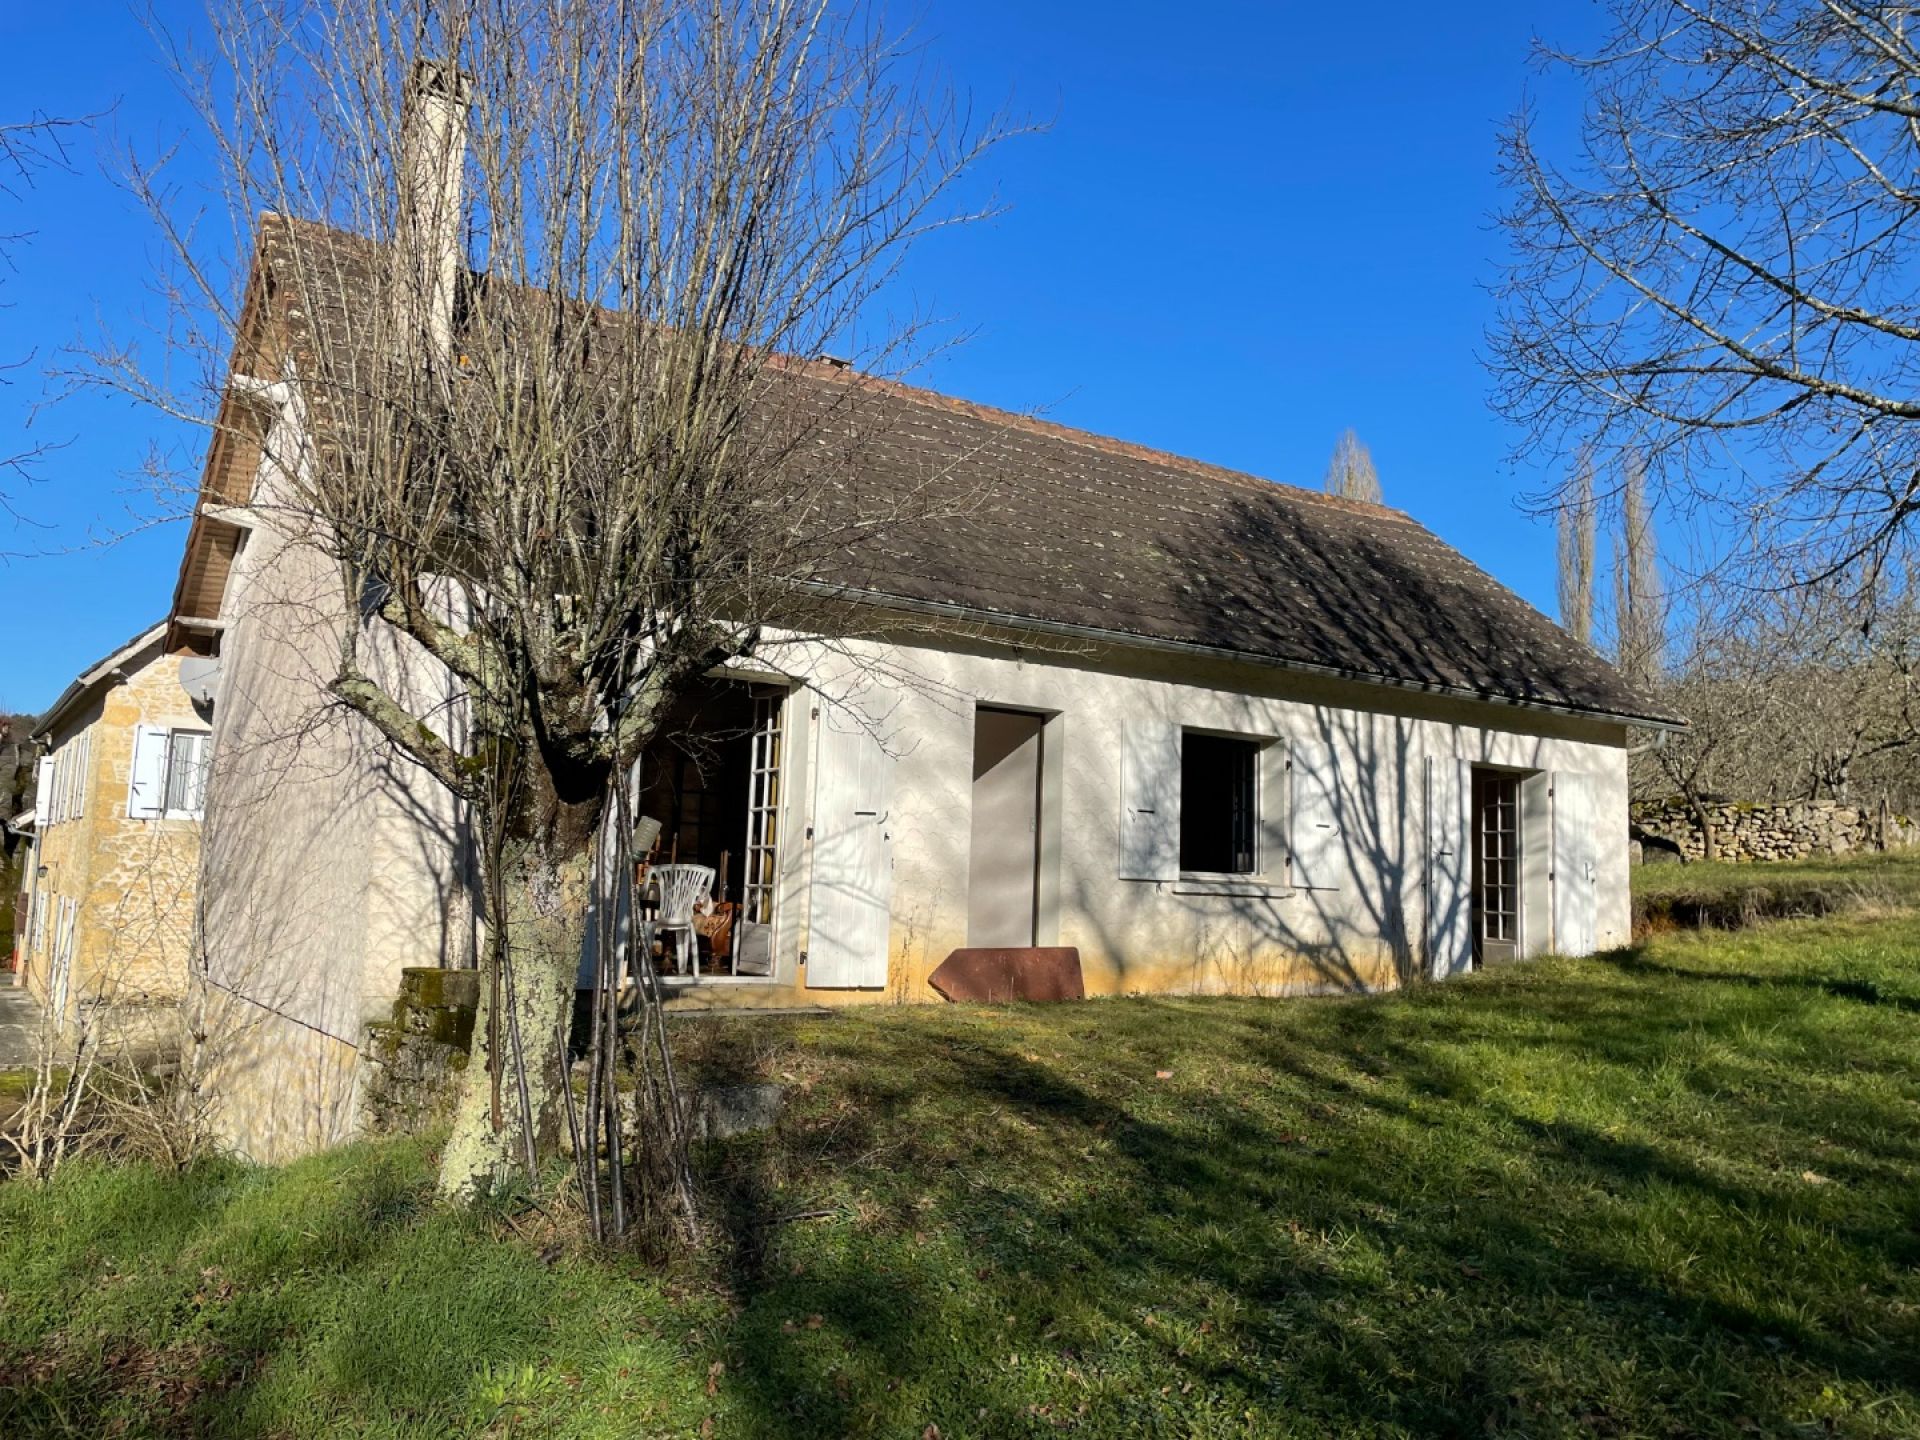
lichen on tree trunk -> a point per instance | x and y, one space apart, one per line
544 886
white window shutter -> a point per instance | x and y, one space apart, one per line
1449 877
1273 812
43 792
63 957
1575 864
1150 800
147 782
1317 828
851 909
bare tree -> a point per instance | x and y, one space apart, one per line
1818 684
1640 611
1717 272
1724 678
1576 523
1801 693
28 148
1350 472
1687 763
532 391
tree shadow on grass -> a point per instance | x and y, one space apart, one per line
1373 1237
1635 961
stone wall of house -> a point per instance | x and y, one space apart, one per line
133 879
1769 832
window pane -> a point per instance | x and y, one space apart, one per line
197 786
1218 804
186 772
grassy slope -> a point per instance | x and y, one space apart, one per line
1897 872
1672 1192
1727 893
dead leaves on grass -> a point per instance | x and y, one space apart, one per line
167 1380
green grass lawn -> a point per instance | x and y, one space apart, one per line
1671 1192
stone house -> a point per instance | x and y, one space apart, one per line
114 869
1212 733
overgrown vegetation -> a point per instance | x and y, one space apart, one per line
1672 1191
1726 896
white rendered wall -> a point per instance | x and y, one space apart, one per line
1143 936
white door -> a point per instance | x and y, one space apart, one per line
852 897
1575 863
1320 859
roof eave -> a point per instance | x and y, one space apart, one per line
1006 620
84 683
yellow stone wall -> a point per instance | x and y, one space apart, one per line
280 1089
133 879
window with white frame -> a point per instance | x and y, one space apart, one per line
169 776
1202 803
187 772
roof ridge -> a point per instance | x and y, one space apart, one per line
836 372
1087 439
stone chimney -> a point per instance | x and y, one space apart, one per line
433 152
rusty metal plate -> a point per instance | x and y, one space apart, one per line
1035 972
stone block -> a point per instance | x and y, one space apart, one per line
722 1111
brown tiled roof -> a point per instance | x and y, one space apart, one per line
1096 535
1066 530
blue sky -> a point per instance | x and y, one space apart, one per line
1249 226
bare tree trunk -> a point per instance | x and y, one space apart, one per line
510 1106
1703 817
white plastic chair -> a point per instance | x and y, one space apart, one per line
682 887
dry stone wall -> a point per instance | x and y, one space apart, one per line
412 1062
1769 832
